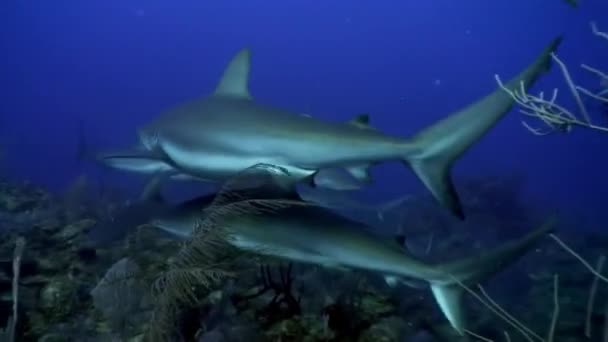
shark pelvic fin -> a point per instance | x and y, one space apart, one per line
432 152
235 79
470 271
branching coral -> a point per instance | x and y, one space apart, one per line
283 305
199 266
556 117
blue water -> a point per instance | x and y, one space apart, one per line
117 64
100 69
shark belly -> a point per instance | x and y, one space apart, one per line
293 254
235 133
216 161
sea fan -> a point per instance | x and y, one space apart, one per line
207 257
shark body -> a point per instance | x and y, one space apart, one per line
311 234
217 136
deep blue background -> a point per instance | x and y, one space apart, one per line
117 63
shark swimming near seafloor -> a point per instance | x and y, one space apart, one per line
214 137
296 230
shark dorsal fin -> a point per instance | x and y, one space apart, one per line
360 121
235 79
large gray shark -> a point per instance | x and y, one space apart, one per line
216 136
296 230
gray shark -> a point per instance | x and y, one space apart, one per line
315 235
299 231
216 136
139 160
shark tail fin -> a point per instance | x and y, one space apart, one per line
431 153
470 271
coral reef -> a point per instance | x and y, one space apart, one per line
72 291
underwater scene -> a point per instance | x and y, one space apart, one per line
249 170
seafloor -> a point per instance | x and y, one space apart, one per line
71 291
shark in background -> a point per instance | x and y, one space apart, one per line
215 137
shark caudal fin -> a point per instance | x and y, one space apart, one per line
448 292
432 152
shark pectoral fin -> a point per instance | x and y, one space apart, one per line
432 152
135 159
449 299
235 79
